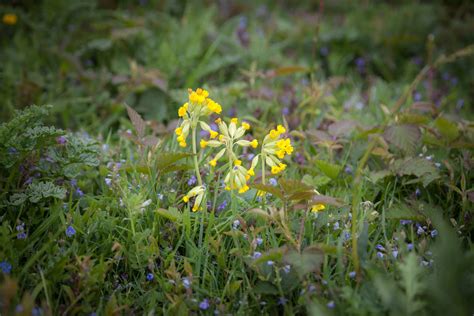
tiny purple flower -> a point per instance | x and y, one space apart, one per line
256 255
417 192
61 140
270 263
417 96
287 268
21 235
420 230
434 233
347 235
6 267
204 304
108 182
150 276
348 169
259 241
352 274
331 304
273 181
282 301
410 247
192 180
324 51
336 226
222 206
380 247
380 255
405 222
70 231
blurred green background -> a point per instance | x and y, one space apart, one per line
88 58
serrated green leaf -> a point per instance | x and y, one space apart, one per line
329 169
269 189
405 137
403 211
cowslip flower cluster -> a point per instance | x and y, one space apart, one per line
274 148
199 105
229 137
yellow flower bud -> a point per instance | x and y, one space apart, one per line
234 120
178 131
317 207
185 199
182 144
9 19
246 125
281 129
251 172
254 143
238 162
213 134
203 143
275 169
213 162
244 189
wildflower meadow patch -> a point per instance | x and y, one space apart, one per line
228 158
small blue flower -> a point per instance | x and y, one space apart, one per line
21 235
160 196
259 241
287 268
420 230
79 192
417 192
150 276
19 308
6 267
347 235
434 233
270 263
70 231
395 253
192 180
37 311
256 255
222 206
336 226
273 182
282 301
380 255
331 304
348 169
410 247
108 182
250 156
324 51
405 222
352 274
204 304
186 283
380 247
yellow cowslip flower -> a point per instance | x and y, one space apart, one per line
244 189
234 120
213 106
246 126
182 110
273 149
213 162
251 172
254 143
213 134
317 207
238 162
10 19
203 143
178 131
197 192
199 96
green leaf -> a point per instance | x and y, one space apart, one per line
419 167
265 287
166 160
329 169
172 214
406 137
411 273
447 129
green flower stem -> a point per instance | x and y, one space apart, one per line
196 165
263 169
